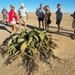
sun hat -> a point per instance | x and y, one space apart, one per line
12 6
22 4
47 5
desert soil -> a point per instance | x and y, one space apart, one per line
65 49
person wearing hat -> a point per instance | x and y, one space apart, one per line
47 17
12 18
40 14
4 13
23 15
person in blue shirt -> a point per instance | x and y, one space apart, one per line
23 15
58 17
40 14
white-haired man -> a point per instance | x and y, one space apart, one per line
23 15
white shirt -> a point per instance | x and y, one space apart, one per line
22 12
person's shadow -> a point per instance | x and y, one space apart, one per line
65 32
3 26
31 27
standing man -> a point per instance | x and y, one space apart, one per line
4 13
23 15
40 13
73 24
58 17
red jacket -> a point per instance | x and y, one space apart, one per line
12 15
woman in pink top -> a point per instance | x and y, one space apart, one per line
12 18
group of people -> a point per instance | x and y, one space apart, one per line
43 14
12 17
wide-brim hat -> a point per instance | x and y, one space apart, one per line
47 5
12 6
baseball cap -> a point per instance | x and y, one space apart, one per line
40 4
22 4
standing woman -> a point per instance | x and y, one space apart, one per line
12 18
47 17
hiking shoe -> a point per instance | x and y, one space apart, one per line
58 32
3 25
11 34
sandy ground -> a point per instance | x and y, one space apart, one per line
65 49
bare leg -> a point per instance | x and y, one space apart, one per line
58 28
6 21
12 28
39 24
43 24
15 28
24 25
3 19
48 27
45 27
73 37
74 32
20 25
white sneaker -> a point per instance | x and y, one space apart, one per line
3 25
11 34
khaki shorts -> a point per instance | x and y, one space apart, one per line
22 19
73 24
4 17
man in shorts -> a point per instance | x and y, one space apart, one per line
58 17
73 24
23 15
4 13
40 14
